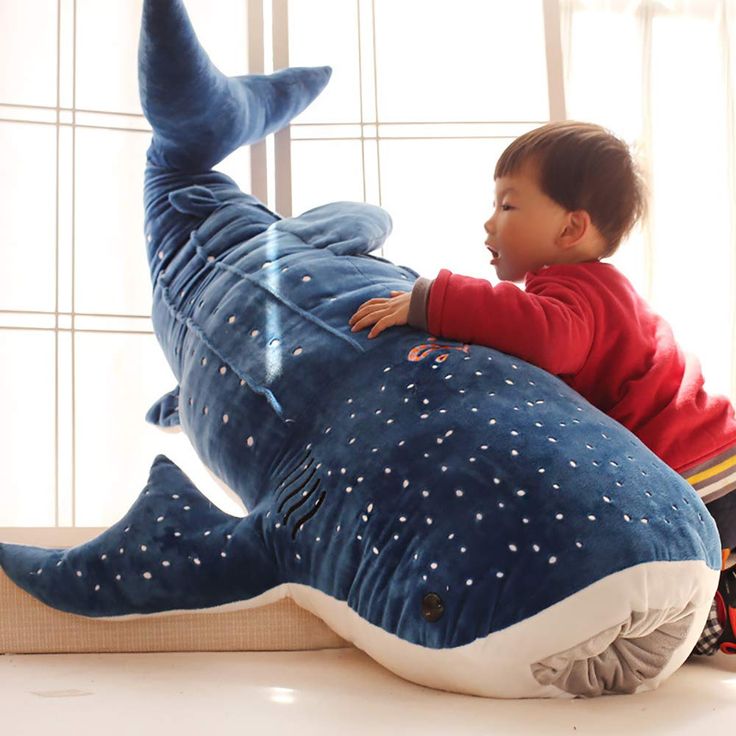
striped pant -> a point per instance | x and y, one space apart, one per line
714 481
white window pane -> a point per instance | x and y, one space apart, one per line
28 196
325 171
111 270
325 32
439 194
118 378
28 52
469 60
597 90
27 430
107 47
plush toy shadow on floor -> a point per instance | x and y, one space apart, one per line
463 517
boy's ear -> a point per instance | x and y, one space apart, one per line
577 224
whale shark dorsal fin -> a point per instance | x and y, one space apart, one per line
173 551
165 412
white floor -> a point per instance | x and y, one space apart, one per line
339 691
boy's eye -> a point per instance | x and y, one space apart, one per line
504 206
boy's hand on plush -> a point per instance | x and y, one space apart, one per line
382 313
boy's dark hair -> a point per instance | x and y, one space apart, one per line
583 166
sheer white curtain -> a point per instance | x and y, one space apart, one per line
661 74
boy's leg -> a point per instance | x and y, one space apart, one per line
719 633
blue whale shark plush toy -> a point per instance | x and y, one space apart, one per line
465 518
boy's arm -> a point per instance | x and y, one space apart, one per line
550 325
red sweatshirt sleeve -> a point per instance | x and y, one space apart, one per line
550 324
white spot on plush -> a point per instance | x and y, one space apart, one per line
514 453
147 575
97 587
479 517
187 508
387 470
118 577
559 517
144 548
499 574
203 361
402 519
521 492
306 278
223 370
166 563
103 557
225 418
535 547
591 517
231 319
459 493
429 520
434 565
122 550
492 421
573 464
349 489
274 343
177 534
469 581
513 547
196 561
298 351
405 484
375 551
79 574
552 560
250 441
425 494
463 550
254 333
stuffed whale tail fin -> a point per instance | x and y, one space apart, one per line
198 114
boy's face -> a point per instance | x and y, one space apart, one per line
523 229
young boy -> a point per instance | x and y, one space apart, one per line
567 194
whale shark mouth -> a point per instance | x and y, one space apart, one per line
297 488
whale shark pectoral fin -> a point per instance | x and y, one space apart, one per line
174 550
165 412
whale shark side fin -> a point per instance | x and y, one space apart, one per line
165 412
174 550
198 114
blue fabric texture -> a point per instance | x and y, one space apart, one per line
377 471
